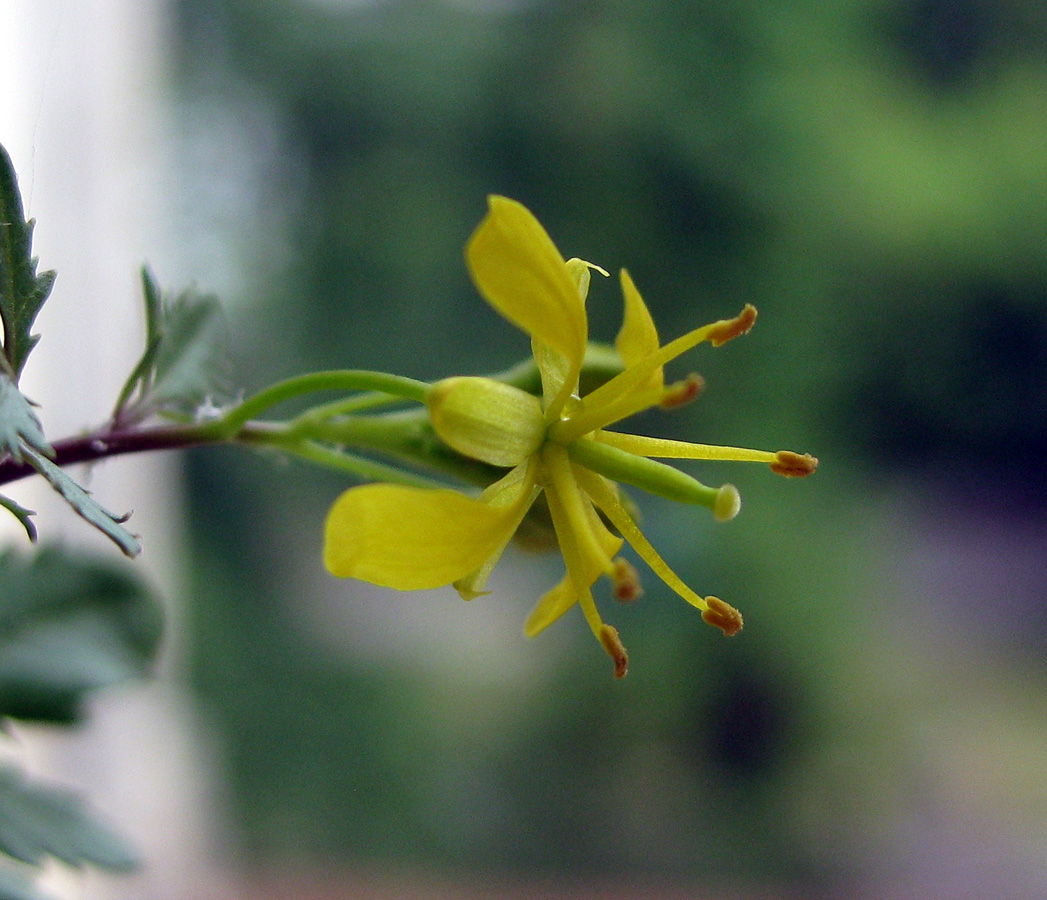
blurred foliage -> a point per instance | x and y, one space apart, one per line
69 626
40 822
869 174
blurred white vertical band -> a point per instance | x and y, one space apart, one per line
81 100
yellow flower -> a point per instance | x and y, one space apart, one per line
411 538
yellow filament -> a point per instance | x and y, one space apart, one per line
662 448
574 531
604 497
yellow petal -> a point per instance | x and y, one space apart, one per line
553 605
580 533
579 529
579 270
562 597
638 337
579 564
519 271
559 379
411 538
516 491
637 340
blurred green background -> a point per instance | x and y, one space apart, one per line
873 177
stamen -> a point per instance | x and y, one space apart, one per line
627 587
605 497
793 465
615 649
605 405
723 616
728 329
680 393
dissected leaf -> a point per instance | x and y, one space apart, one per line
69 624
22 290
19 425
191 359
139 380
184 360
83 504
23 516
22 438
38 821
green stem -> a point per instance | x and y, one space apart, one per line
344 407
357 466
104 443
336 380
404 436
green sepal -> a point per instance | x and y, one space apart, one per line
70 625
22 290
486 420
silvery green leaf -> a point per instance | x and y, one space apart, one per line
184 360
22 290
89 509
19 426
22 514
